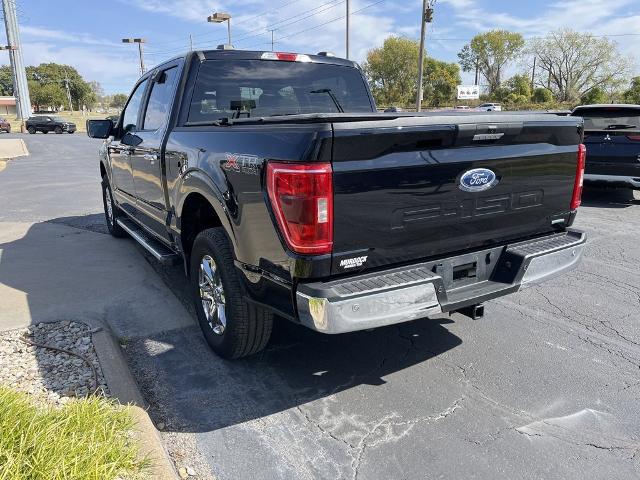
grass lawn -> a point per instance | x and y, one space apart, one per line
88 439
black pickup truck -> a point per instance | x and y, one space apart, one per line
273 179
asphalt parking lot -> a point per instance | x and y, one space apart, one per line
546 385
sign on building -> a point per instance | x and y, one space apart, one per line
468 92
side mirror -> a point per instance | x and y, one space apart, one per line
99 128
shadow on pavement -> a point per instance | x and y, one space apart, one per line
608 197
62 273
190 389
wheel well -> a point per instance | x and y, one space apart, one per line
197 215
103 171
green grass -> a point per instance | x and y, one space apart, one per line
86 439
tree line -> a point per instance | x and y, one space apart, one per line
55 86
559 70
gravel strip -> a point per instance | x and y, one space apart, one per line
50 376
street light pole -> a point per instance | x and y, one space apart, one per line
139 41
219 17
20 85
426 17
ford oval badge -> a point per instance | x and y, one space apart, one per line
478 180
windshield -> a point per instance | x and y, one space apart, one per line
609 118
263 88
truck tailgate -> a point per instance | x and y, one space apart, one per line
397 184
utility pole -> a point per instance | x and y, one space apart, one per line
426 17
20 86
533 73
272 43
66 84
139 41
347 33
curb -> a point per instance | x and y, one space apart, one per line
123 387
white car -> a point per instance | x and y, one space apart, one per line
489 107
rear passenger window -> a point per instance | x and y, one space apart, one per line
160 100
130 114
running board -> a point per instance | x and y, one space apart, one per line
160 252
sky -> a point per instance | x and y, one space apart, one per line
87 33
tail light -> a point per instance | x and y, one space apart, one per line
634 138
301 196
576 198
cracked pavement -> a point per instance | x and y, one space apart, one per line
546 385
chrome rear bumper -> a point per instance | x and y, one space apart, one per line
418 291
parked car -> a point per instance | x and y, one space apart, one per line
612 138
489 107
5 126
114 118
463 107
49 123
273 179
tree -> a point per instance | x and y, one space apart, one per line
118 100
573 63
392 72
595 95
542 95
57 74
519 85
633 94
440 82
6 80
46 96
490 52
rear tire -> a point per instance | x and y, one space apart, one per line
232 327
31 130
111 211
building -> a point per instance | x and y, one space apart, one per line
8 106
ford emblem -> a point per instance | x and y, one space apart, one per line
478 180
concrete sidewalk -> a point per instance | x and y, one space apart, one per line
51 272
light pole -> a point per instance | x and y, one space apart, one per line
219 17
20 86
426 17
139 41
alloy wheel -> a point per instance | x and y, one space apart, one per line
212 295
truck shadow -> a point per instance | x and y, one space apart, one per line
190 389
608 198
70 274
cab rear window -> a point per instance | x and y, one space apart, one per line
609 118
258 88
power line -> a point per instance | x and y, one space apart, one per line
341 17
281 24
